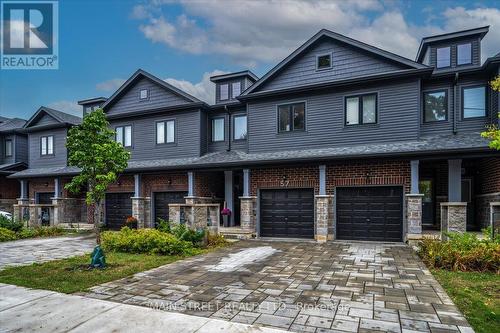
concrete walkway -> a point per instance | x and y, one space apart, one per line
29 310
29 251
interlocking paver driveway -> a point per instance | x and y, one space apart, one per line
28 251
310 287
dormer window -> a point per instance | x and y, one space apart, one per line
235 89
324 61
144 94
224 92
464 54
443 57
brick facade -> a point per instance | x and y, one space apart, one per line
284 177
125 183
42 185
209 184
164 182
11 188
489 176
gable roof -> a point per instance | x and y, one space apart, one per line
61 117
344 39
143 74
424 43
12 124
246 73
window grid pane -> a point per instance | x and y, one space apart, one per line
119 135
160 132
240 128
128 136
474 100
224 92
44 145
464 54
218 129
50 145
443 57
435 106
284 119
352 112
144 93
369 109
170 131
298 116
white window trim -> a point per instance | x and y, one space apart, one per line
147 94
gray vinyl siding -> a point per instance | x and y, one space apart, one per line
474 124
10 159
439 127
238 144
347 62
21 149
60 154
158 97
46 120
144 147
475 47
219 145
398 118
203 132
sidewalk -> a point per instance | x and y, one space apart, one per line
30 310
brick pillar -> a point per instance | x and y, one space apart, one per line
453 217
247 213
324 218
141 211
414 215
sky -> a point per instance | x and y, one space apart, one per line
102 43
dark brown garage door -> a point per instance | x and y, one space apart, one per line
370 213
287 213
118 208
161 201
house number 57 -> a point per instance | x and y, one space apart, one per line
284 183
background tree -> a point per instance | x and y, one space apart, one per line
492 131
92 148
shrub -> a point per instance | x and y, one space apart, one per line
7 235
9 223
216 240
462 252
40 232
163 225
150 241
182 232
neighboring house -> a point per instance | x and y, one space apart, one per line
340 140
13 158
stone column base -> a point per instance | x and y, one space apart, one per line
248 214
22 210
495 216
453 217
324 218
141 211
414 215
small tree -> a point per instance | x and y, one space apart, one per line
492 131
92 148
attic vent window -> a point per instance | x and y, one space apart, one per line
144 94
324 61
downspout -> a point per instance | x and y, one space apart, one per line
455 102
228 128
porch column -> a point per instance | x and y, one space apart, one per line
322 180
21 209
414 177
58 211
414 205
24 189
190 184
246 182
228 195
140 205
454 212
57 187
324 210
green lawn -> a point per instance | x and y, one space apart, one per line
71 275
477 295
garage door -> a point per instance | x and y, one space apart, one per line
287 213
161 201
118 208
370 213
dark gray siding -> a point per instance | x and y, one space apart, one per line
347 61
398 117
21 148
158 97
203 132
473 124
476 52
144 147
228 132
46 120
440 127
11 159
60 155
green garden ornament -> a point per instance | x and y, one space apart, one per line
98 260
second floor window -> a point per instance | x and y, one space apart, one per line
47 145
435 106
464 54
224 92
474 102
165 132
235 89
443 57
240 127
124 135
292 117
8 148
217 129
361 109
